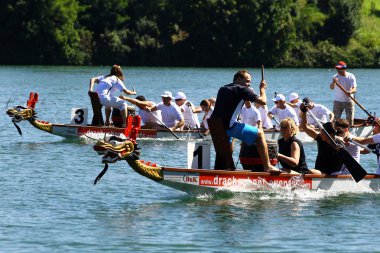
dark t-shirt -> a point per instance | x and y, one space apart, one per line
229 102
328 160
284 147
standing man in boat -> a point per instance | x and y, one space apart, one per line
341 101
107 87
229 102
170 112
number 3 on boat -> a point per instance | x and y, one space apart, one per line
79 116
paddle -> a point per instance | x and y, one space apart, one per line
353 99
262 72
163 124
364 147
356 170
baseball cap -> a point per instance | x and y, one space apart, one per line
167 94
279 97
180 95
307 100
293 96
341 65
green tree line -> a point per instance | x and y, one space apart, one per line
220 33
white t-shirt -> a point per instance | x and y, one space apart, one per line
284 113
147 117
266 121
320 112
250 115
206 116
170 114
376 139
190 118
354 151
348 81
109 85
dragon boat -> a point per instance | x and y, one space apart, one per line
200 181
78 128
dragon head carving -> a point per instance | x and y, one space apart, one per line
20 113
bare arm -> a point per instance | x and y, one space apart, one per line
364 140
92 82
178 125
136 101
331 117
129 92
294 159
262 99
310 131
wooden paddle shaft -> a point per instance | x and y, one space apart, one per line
162 123
353 99
262 72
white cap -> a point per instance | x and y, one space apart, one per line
180 95
279 97
293 96
167 94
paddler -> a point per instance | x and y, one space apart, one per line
373 141
229 102
282 110
342 102
328 160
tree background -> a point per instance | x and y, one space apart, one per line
202 33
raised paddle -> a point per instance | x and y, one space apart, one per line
262 72
353 99
163 124
356 170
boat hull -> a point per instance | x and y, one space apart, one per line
195 181
73 131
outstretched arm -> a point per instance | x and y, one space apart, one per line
262 99
310 131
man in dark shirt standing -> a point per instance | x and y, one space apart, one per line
229 102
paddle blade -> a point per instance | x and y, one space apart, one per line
356 170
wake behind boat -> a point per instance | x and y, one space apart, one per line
78 127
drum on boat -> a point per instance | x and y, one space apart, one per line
250 158
116 115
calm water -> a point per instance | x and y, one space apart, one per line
48 202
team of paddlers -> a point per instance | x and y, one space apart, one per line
239 113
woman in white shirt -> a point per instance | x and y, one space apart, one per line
107 86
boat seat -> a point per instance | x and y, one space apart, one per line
223 148
97 118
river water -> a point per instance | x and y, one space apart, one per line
49 204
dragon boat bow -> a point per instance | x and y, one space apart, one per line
20 113
199 181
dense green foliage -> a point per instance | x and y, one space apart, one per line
188 32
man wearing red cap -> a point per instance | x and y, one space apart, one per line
341 101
